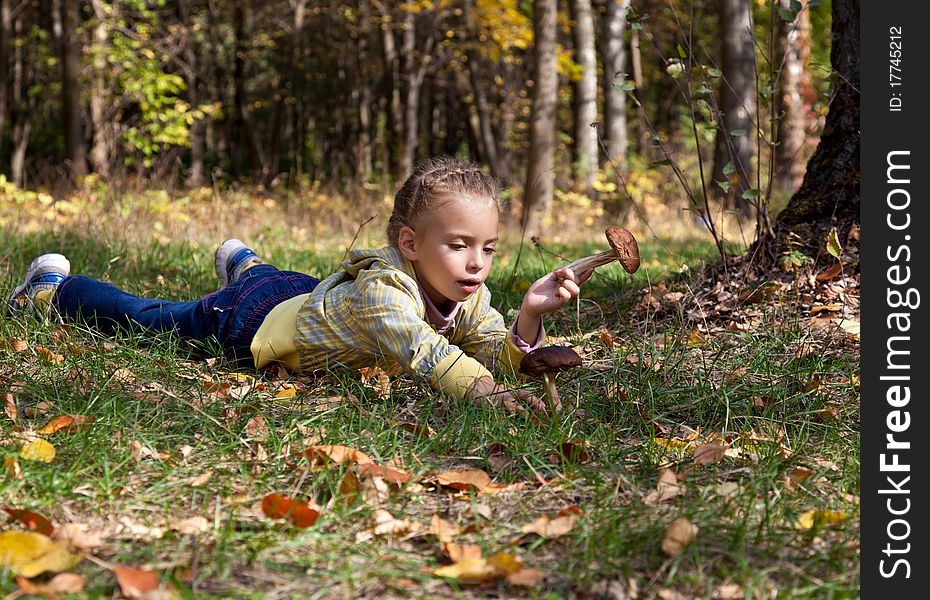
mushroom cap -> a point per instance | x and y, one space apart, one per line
549 359
624 244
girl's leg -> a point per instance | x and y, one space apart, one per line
109 308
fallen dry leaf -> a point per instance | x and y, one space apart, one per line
32 520
298 512
707 454
202 479
28 553
526 577
48 355
191 525
417 430
678 535
481 569
464 480
377 379
392 476
571 451
78 536
256 428
459 552
66 422
17 345
9 407
443 530
322 456
138 583
820 518
140 451
63 583
831 272
696 338
38 450
12 468
666 488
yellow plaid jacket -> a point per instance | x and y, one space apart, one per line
371 312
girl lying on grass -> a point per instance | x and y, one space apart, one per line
420 304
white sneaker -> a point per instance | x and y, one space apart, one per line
231 259
45 272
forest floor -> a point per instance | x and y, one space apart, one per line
708 448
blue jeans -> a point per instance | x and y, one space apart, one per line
232 315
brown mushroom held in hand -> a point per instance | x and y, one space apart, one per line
623 248
546 362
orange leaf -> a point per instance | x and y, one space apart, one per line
831 272
50 356
136 583
464 480
571 451
392 476
13 470
298 512
69 422
32 520
444 531
526 577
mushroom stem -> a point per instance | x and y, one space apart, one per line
551 392
590 262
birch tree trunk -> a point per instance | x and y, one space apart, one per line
539 188
586 98
614 61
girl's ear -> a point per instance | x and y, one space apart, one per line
407 242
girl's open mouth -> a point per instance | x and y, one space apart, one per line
468 286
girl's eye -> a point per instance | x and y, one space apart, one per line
457 246
490 250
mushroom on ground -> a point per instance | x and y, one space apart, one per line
623 247
545 362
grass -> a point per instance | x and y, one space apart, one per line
783 397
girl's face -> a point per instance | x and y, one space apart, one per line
452 248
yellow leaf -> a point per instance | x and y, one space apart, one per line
820 517
39 450
470 568
696 338
28 553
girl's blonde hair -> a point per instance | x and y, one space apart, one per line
443 177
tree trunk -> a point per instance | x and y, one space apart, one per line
794 80
737 104
196 176
586 97
103 145
20 123
540 172
364 154
829 195
414 65
6 41
395 114
475 67
70 70
614 60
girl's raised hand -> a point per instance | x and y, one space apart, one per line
550 292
